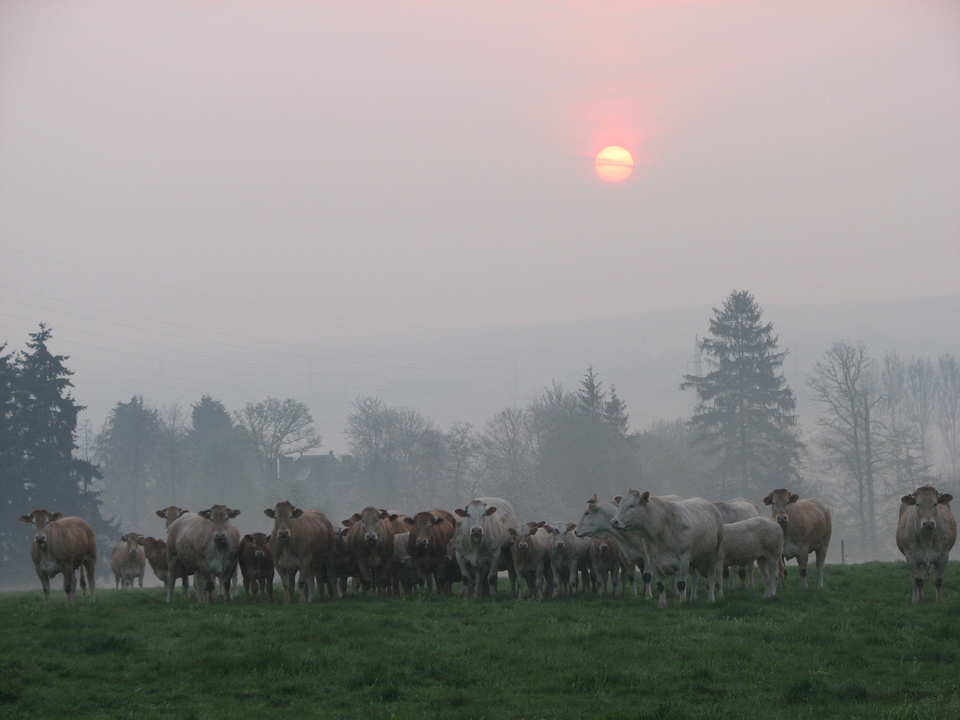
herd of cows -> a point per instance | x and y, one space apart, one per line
659 539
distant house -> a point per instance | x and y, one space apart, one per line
327 475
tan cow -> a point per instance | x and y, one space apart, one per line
370 540
806 526
926 532
169 514
256 567
679 536
605 563
569 557
481 537
756 539
734 511
430 533
128 561
156 554
63 545
302 544
530 549
205 544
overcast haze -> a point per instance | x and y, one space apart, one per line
285 177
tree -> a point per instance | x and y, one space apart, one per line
219 452
844 383
173 456
745 421
277 427
947 413
900 448
38 424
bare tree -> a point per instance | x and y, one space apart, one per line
947 413
508 452
844 384
277 427
900 454
922 392
173 458
465 463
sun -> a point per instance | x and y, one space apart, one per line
614 164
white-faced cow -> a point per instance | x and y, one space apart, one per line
806 526
679 536
128 561
480 537
302 543
256 567
370 541
530 549
734 511
63 545
595 523
926 532
430 533
756 539
569 556
205 544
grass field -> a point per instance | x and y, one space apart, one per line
855 650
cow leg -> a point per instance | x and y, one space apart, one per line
69 585
821 561
492 572
802 560
768 571
116 581
939 567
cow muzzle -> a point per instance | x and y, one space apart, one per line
928 525
782 519
560 545
283 535
371 538
220 540
41 540
421 542
476 535
616 523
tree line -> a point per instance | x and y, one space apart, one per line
883 428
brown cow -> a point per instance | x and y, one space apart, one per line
370 539
806 526
344 561
569 557
204 543
430 533
530 549
156 555
604 563
62 545
926 532
169 514
127 561
302 543
256 566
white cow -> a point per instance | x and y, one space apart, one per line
925 534
595 522
479 539
756 539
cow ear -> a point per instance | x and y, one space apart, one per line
533 530
460 512
394 516
141 541
269 513
645 497
616 500
512 531
410 521
123 538
297 512
182 513
204 514
592 500
381 514
161 514
233 513
346 523
908 500
435 519
768 500
944 498
356 517
491 510
248 538
56 516
794 498
571 527
26 518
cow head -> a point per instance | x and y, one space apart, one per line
260 543
170 513
473 516
369 518
283 516
521 535
421 529
778 501
595 519
40 519
632 509
132 541
927 501
155 550
220 516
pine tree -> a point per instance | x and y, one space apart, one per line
745 418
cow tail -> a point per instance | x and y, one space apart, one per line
83 579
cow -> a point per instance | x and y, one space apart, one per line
756 539
605 562
480 537
530 548
430 533
733 511
256 566
405 577
449 571
595 522
679 536
63 545
344 561
569 556
926 532
155 552
205 544
370 540
806 526
128 561
302 546
169 514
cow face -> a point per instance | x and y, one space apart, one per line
778 501
927 501
260 543
632 511
561 533
421 529
155 550
283 516
595 519
521 536
170 513
370 519
133 543
220 516
40 519
473 518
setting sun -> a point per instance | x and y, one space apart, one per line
614 164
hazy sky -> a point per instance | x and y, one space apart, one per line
304 169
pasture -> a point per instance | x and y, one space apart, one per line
855 650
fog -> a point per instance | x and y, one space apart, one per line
328 200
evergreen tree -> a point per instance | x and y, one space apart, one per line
745 418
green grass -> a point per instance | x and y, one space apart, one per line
858 649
